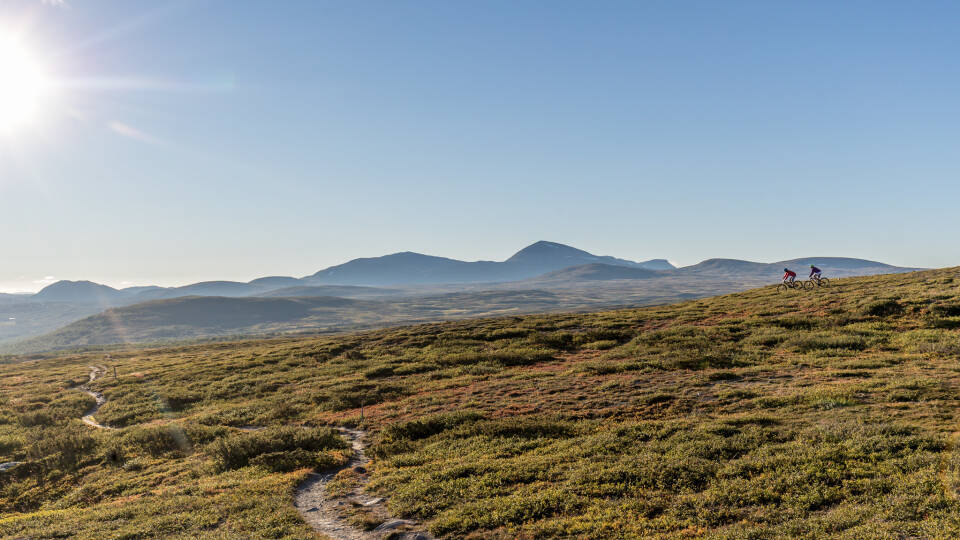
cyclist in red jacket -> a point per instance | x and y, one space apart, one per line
789 275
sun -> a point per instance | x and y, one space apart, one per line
24 86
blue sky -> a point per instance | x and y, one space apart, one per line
208 139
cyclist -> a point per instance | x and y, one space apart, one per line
815 272
789 275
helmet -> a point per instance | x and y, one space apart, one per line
811 266
785 270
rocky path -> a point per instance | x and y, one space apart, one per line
327 515
95 373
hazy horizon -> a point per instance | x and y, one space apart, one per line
188 141
34 285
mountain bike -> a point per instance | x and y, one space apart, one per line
786 285
816 282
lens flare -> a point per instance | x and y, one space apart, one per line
24 86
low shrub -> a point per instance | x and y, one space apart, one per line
63 447
239 450
298 458
429 425
946 310
829 341
561 341
174 438
179 400
378 372
883 308
524 428
601 345
796 322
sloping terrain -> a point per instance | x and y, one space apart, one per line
833 414
19 319
344 291
203 317
831 266
78 291
586 287
598 272
209 317
542 265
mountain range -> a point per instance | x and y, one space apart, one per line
398 269
541 261
545 276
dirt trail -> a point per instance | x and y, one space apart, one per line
327 515
95 373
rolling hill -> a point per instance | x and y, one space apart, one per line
598 272
831 266
79 292
580 280
752 415
345 291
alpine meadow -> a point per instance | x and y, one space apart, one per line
830 413
479 270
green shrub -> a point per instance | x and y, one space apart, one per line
949 323
829 341
946 310
63 447
429 425
298 458
156 440
525 428
796 322
36 418
378 372
604 335
505 357
883 308
179 400
503 333
660 397
238 450
601 345
561 341
353 395
722 376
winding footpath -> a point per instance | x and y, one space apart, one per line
327 515
88 419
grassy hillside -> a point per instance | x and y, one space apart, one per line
832 413
188 318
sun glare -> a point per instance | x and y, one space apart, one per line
23 86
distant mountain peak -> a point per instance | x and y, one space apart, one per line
408 267
547 243
544 247
76 291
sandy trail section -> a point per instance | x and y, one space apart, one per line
326 514
95 373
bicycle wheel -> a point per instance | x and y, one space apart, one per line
807 285
824 282
781 287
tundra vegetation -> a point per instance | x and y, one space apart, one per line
829 413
